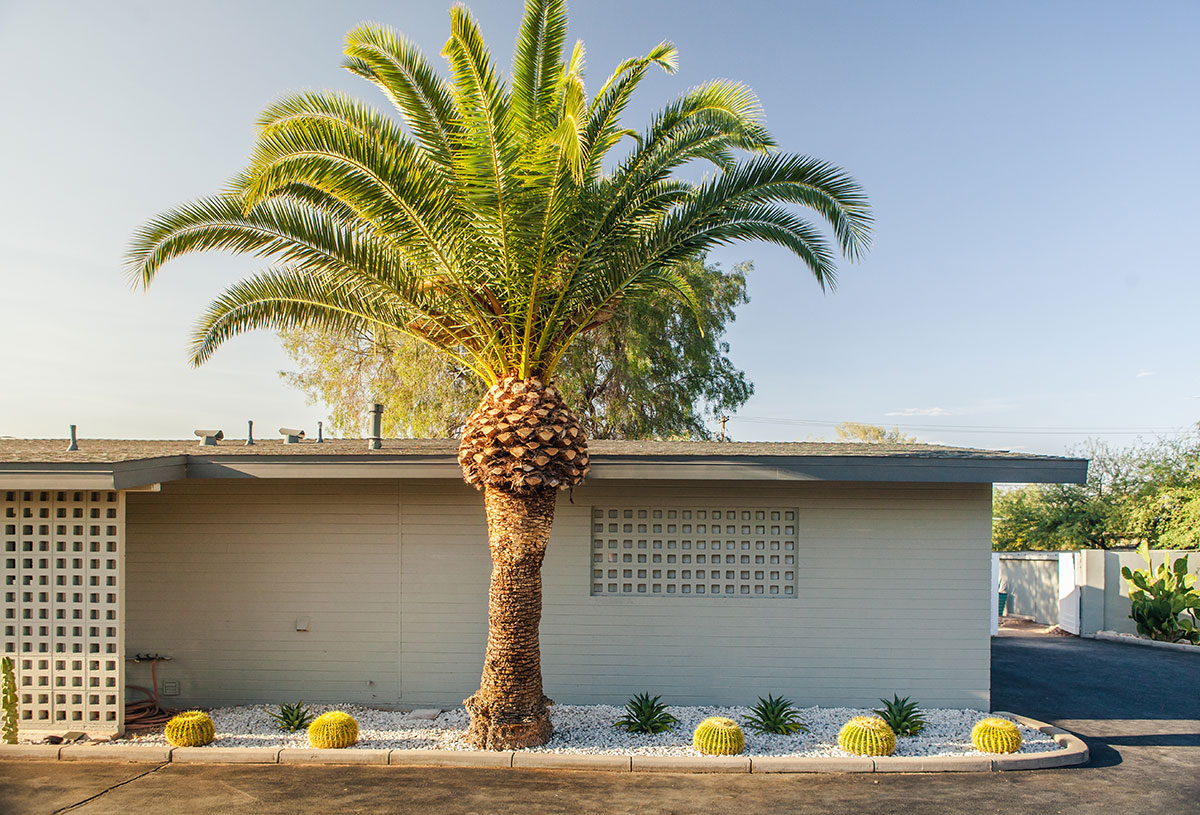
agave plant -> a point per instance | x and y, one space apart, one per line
646 714
903 716
775 715
498 221
292 718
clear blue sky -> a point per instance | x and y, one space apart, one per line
1033 169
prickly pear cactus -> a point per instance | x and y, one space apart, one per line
718 736
333 729
192 728
996 736
8 696
867 736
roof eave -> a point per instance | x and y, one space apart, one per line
941 469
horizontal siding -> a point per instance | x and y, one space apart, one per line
892 588
219 571
891 598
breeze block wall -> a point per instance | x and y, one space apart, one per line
61 606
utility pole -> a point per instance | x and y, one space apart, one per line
723 420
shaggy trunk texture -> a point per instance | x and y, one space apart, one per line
509 709
520 447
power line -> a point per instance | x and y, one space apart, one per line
964 428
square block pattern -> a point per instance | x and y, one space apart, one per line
61 605
742 552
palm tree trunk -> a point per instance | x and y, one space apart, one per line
509 709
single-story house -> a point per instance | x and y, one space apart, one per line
833 574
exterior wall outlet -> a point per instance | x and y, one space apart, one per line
301 623
170 687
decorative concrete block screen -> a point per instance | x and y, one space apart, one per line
694 551
62 592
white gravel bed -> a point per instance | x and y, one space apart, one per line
589 729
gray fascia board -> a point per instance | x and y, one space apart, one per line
750 468
859 468
122 475
963 470
331 467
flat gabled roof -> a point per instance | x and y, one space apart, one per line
131 463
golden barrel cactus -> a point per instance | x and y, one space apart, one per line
718 736
192 728
333 729
867 736
994 735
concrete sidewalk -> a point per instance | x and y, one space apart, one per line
1136 708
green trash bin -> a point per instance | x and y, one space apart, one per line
1003 602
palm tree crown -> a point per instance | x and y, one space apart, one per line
493 220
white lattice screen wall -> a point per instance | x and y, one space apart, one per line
694 551
62 605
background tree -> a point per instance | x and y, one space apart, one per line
495 227
1148 492
653 371
857 431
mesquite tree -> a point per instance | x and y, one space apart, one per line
493 221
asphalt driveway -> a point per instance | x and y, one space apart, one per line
1138 709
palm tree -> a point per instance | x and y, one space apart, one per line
493 222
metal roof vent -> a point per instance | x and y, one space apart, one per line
375 441
291 435
209 438
320 433
249 433
74 445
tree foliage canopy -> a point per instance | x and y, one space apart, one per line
1145 493
495 220
653 371
872 433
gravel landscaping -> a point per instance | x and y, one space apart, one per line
589 729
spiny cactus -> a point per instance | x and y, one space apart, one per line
718 736
867 736
333 729
8 694
192 728
995 735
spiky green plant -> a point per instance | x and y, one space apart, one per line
495 220
646 714
775 715
903 716
333 730
867 736
8 696
192 728
996 735
718 736
292 717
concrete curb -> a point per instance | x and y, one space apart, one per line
101 752
1074 752
312 755
1128 639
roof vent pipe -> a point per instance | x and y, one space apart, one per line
375 442
320 433
249 433
291 435
74 445
209 438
